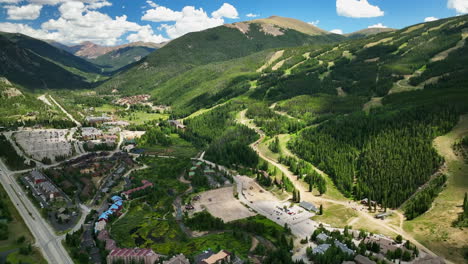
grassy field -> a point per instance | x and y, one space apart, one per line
17 228
108 108
335 215
179 148
434 228
140 117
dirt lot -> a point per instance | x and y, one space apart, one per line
222 203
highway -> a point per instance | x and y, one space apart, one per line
46 240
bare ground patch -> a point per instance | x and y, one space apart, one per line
222 203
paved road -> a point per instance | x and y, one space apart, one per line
46 240
78 124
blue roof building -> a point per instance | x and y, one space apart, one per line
116 198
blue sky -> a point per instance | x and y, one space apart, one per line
111 22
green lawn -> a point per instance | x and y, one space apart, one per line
140 117
179 148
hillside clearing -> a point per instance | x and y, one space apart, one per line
272 59
434 228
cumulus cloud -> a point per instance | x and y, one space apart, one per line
26 30
190 19
252 15
357 9
337 31
314 23
430 19
146 34
26 12
227 11
160 14
461 6
379 25
78 22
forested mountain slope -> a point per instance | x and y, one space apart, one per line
20 108
36 68
385 154
418 77
201 48
51 53
120 58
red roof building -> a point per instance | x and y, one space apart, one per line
145 185
128 255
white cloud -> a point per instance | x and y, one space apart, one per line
78 23
152 4
251 15
379 25
161 14
314 23
189 19
461 6
9 1
337 31
430 19
357 9
26 30
26 12
227 11
146 34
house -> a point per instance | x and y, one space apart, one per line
132 255
320 249
344 248
99 226
385 244
360 259
221 257
116 198
179 259
322 237
308 206
382 216
177 124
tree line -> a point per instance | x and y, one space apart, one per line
384 156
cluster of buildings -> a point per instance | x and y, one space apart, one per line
133 255
43 189
131 100
96 120
115 208
146 184
92 133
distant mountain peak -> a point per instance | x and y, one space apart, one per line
291 23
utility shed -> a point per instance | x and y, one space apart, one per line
308 206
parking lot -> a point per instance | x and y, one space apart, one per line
281 212
45 143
